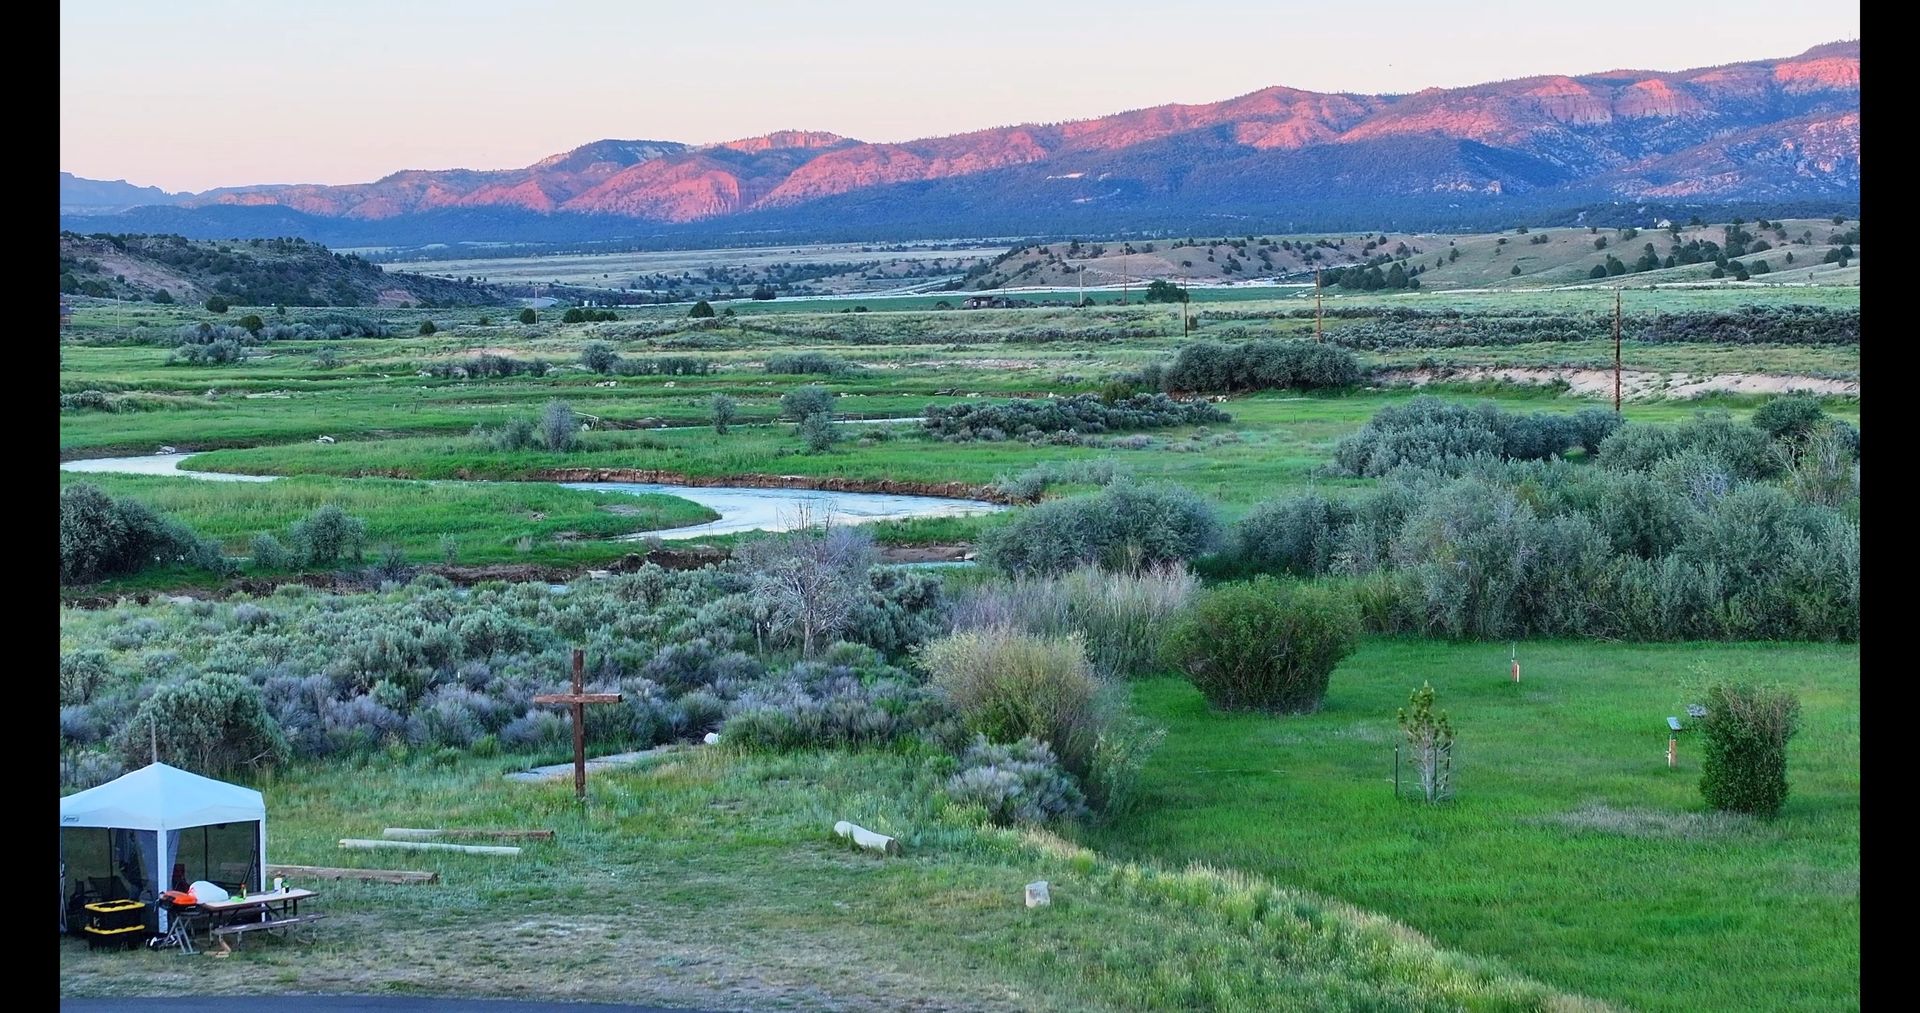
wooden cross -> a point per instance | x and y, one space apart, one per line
578 700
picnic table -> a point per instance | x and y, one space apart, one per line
236 916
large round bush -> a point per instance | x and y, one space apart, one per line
212 725
1123 527
1264 644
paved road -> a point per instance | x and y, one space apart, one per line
344 1004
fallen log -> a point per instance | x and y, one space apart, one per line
456 833
465 849
867 838
372 875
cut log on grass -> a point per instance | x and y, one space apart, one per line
370 875
465 849
867 838
423 834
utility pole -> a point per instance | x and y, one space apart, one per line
1082 301
1179 306
1317 335
1124 290
1616 350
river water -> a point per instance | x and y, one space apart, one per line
740 509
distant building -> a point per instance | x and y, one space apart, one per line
993 302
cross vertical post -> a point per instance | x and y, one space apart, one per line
1616 350
577 701
579 723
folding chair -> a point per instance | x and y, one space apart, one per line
179 928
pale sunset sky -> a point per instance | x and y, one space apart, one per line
193 94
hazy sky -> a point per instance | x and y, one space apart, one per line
191 94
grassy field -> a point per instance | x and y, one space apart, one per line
391 422
1274 441
1573 864
1571 851
486 523
716 882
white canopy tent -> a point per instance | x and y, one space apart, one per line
117 837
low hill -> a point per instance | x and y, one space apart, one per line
1515 258
246 272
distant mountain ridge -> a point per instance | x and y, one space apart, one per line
1766 130
106 195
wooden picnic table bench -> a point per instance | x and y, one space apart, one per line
236 916
238 929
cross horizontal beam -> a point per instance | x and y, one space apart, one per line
578 698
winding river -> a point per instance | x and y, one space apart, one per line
740 509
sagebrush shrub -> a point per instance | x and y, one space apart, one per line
1743 451
101 536
1085 414
269 553
1018 783
818 433
803 402
82 674
559 427
1788 416
803 363
1264 644
1743 764
1260 365
1123 527
328 535
1432 432
216 724
1298 535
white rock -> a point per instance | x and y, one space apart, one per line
713 738
1037 895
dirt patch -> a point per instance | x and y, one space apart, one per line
1635 384
824 483
926 553
1597 817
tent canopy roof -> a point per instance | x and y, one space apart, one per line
159 797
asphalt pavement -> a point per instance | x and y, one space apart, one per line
344 1004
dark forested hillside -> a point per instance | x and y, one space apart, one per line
245 272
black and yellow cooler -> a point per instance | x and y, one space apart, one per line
116 923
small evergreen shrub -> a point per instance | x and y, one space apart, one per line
1743 766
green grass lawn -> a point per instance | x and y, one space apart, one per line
1571 851
715 882
485 522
